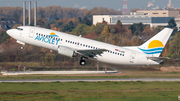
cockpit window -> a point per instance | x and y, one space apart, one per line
19 29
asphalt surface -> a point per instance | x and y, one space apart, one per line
57 72
97 80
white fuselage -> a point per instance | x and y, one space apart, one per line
115 54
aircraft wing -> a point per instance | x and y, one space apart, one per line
91 53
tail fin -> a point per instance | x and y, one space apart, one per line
154 46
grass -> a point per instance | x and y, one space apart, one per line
90 91
21 63
75 77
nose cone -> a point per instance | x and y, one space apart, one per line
9 32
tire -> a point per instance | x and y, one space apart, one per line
82 62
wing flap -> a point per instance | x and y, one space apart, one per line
91 53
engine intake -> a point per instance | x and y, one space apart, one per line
66 51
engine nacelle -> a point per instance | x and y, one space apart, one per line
66 51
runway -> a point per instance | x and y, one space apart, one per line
97 80
57 72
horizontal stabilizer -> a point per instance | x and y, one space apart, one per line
158 58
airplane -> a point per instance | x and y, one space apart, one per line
72 46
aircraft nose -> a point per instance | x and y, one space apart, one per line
9 32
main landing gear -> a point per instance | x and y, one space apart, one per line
82 61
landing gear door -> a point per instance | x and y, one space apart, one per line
31 33
132 57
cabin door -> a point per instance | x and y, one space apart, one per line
31 33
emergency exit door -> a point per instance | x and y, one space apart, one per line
132 57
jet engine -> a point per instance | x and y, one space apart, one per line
66 51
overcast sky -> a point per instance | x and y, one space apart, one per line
89 4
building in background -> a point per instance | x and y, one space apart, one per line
160 13
130 19
149 17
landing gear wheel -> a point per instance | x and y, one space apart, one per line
22 47
82 62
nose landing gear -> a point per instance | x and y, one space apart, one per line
22 43
21 47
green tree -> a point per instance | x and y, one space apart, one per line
118 26
3 36
119 23
113 29
172 23
99 28
106 30
68 27
92 28
49 59
48 26
137 28
82 29
87 21
175 46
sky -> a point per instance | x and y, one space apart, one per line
89 4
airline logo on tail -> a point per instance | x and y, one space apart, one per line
154 47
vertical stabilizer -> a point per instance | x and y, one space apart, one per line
154 46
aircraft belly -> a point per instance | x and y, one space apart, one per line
112 59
